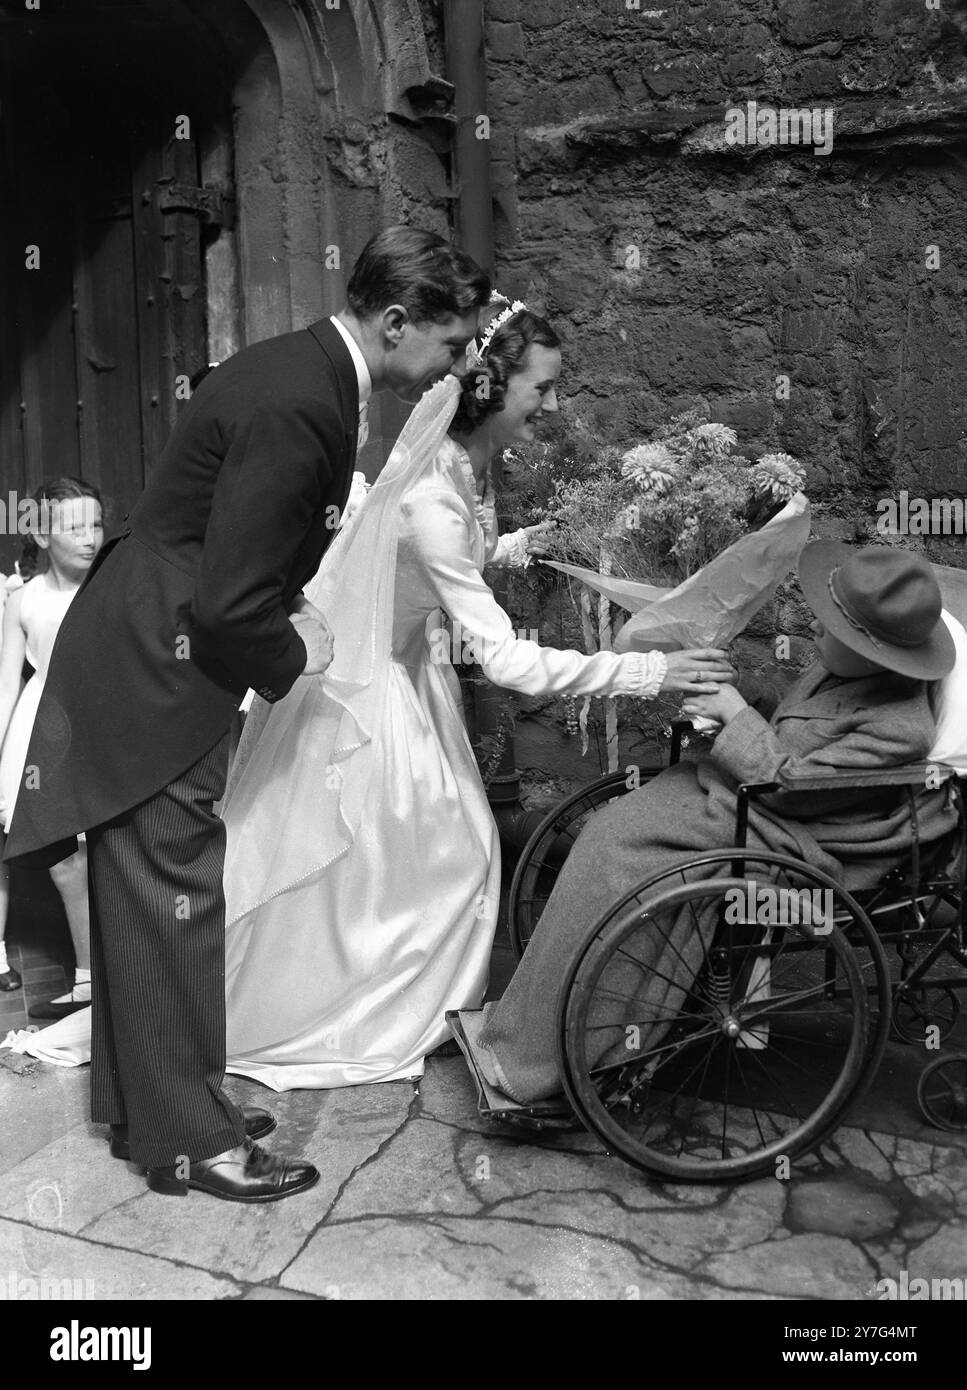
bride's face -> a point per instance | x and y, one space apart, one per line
530 394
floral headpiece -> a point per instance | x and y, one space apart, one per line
476 354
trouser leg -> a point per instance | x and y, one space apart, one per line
159 913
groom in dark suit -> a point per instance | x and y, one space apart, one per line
198 600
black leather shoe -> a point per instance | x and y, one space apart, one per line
245 1174
10 980
258 1123
51 1010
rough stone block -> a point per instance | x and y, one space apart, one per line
804 22
505 42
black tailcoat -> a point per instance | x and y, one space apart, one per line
188 608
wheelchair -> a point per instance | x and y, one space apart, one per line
722 1019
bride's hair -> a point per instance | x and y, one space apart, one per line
503 358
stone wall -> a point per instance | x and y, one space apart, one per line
754 263
681 268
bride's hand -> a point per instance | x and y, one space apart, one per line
699 671
536 536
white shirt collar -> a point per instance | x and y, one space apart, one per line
359 362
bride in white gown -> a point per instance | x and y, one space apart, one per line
362 871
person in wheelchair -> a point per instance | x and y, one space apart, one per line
862 704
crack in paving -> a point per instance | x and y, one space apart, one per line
176 1261
502 1203
343 1186
649 1264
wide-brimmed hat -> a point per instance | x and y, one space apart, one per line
882 602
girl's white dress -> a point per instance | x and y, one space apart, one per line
42 612
345 976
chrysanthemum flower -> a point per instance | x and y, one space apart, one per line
719 439
651 466
779 474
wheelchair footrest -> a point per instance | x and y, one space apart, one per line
492 1104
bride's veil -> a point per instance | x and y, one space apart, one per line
299 778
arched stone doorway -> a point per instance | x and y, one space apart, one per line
196 175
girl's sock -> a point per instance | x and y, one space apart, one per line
4 963
81 993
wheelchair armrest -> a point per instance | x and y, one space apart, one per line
909 775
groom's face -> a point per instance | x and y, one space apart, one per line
419 355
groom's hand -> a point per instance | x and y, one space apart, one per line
312 628
300 604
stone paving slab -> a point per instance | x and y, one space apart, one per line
451 1258
419 1198
807 1266
340 1131
32 1260
38 1105
68 1183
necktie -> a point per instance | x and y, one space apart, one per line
363 426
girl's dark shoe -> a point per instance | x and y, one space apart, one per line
10 980
52 1010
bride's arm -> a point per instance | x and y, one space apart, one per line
516 549
435 531
510 550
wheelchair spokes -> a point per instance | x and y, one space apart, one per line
547 849
942 1092
704 1047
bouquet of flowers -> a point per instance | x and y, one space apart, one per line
687 536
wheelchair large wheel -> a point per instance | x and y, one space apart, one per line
700 1041
548 847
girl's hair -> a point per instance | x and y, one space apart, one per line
51 490
505 356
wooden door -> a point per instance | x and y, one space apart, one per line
95 339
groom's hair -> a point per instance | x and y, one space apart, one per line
421 271
504 356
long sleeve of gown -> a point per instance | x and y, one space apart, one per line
511 550
436 527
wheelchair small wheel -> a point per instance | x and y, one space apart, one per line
704 1049
917 1009
942 1092
546 850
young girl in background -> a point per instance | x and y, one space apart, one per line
63 548
9 978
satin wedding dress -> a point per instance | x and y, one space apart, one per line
345 975
362 872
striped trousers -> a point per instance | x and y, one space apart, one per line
158 971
